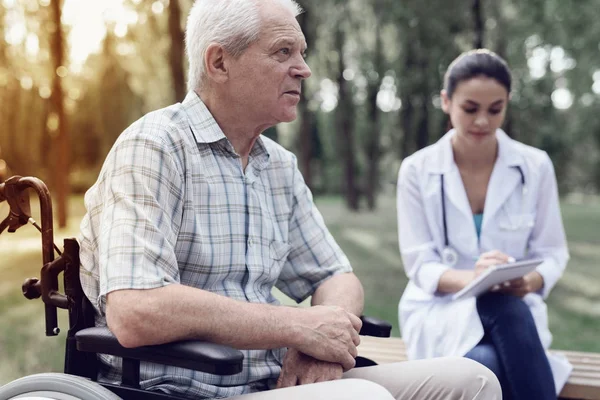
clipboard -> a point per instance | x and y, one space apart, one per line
496 275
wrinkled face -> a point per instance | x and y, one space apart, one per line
268 74
477 108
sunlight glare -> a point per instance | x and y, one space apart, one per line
538 62
562 98
26 82
16 32
32 44
74 94
328 95
45 92
596 84
120 29
560 61
157 7
87 20
52 123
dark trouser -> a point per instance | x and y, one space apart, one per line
511 348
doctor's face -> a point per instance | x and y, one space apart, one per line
477 108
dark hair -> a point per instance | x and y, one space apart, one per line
475 63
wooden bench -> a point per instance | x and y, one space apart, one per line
584 382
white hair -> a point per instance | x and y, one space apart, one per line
233 24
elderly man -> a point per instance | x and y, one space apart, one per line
195 217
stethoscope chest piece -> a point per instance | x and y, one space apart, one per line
449 256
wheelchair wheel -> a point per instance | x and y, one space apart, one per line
55 386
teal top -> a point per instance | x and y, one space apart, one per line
478 218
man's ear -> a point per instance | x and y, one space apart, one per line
445 101
214 63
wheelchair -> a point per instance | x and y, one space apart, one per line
84 341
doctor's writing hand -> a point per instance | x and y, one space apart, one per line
530 283
489 259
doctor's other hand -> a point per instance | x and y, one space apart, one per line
489 259
530 283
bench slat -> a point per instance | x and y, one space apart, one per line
584 382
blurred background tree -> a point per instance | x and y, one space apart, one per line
71 88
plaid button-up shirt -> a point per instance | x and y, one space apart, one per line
172 205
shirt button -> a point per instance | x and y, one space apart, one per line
250 242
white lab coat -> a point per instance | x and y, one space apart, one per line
520 224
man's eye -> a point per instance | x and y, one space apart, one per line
285 51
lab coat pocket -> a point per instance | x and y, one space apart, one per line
514 233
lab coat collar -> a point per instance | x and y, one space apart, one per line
442 161
505 176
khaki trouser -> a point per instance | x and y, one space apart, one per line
452 378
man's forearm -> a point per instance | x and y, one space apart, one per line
342 290
178 312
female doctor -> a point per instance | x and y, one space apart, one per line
474 199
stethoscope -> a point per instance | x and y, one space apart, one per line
449 254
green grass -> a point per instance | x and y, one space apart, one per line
368 238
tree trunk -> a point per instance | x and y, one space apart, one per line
422 138
176 51
502 49
61 172
406 95
344 117
373 149
307 117
478 24
4 98
11 150
423 129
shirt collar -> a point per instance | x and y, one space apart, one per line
206 129
202 123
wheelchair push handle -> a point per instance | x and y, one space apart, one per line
14 191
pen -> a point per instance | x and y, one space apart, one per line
510 259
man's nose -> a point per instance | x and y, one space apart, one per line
301 69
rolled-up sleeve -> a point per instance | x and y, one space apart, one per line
421 260
140 204
314 256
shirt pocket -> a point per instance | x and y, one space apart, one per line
278 252
514 231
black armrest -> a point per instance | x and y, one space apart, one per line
199 356
375 327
